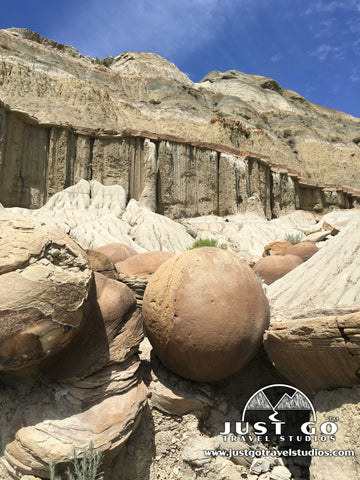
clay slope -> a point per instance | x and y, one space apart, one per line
143 91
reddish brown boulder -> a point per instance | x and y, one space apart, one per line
142 264
116 252
274 267
304 250
275 248
205 313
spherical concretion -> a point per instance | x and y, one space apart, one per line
304 250
205 313
116 252
273 267
143 264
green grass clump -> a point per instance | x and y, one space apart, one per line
292 238
85 468
207 242
356 140
286 133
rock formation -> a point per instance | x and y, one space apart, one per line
324 351
273 267
142 264
329 279
45 280
68 352
205 313
304 250
196 161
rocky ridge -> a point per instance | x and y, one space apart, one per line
51 85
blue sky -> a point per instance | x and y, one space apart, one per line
312 47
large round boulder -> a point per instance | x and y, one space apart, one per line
205 313
273 267
304 250
142 264
45 278
116 252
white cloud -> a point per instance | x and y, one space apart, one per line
325 51
323 6
275 58
171 27
355 75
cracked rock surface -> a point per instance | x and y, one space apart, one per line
45 279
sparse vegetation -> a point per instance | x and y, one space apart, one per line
356 140
259 126
85 468
207 242
293 238
336 139
287 133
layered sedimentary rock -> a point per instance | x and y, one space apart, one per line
142 91
45 279
193 163
170 175
324 351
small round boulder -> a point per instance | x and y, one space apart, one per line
304 250
273 267
205 313
143 264
116 252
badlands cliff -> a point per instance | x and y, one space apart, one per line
181 148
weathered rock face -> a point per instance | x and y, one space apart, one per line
43 151
95 215
273 267
45 280
100 397
330 279
204 312
343 404
324 351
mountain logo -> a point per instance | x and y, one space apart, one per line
291 399
283 412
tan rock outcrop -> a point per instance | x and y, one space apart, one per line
273 267
330 279
100 397
44 286
276 248
324 351
204 312
180 149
